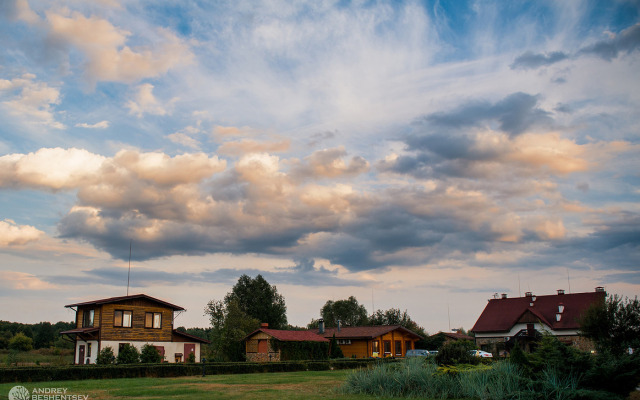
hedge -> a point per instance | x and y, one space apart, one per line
79 372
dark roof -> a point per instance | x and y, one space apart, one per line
500 315
454 335
290 336
192 337
125 298
365 332
80 330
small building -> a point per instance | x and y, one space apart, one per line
137 320
372 341
260 344
507 321
446 337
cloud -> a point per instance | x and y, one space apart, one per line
12 234
244 146
31 101
515 114
146 103
329 163
105 48
23 281
627 41
97 125
530 60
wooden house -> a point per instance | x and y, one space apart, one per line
522 320
373 341
259 344
138 320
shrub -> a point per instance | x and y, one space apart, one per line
191 358
334 349
105 356
456 352
150 354
128 354
20 342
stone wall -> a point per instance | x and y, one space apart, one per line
263 357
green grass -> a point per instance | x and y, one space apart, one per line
37 357
284 385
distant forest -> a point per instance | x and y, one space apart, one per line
43 334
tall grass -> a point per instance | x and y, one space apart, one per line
417 378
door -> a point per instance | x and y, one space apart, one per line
188 349
263 347
81 354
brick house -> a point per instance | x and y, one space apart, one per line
138 320
507 321
259 344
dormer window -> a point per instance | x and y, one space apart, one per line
558 317
560 308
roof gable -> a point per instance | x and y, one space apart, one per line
126 298
500 315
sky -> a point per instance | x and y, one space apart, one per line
420 155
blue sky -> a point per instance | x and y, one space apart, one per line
416 155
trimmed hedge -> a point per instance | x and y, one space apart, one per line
79 372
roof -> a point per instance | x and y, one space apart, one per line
365 332
80 330
290 336
500 315
454 335
125 298
191 337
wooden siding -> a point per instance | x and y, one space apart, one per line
80 316
137 331
363 348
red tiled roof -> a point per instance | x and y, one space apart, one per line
124 298
365 332
291 336
500 315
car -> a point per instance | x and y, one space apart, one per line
417 353
480 353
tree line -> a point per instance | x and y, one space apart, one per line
24 337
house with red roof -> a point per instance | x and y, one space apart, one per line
506 322
136 320
260 345
372 341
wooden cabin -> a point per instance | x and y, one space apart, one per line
138 320
373 341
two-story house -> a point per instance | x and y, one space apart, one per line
137 319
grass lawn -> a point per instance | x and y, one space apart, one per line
283 385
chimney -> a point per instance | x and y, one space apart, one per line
528 294
264 325
321 326
560 291
339 325
600 289
504 295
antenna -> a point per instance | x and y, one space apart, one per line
373 310
449 317
569 280
129 273
519 292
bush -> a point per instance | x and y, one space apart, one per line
128 354
191 358
457 352
20 342
105 356
150 354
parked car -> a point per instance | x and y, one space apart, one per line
480 353
417 353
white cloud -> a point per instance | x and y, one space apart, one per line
12 234
97 125
23 281
31 101
146 103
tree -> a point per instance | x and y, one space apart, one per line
105 356
229 325
260 300
613 325
456 352
334 349
20 342
349 312
150 354
128 354
44 335
394 316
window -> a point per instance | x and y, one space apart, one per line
408 345
122 318
344 341
87 318
387 347
398 348
375 348
153 320
88 349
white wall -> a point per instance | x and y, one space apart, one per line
94 351
518 327
170 348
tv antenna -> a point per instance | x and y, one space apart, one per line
129 273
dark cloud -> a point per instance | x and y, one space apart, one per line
530 60
304 273
515 114
627 41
